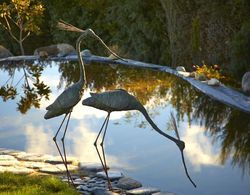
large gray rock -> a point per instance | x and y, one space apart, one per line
59 50
112 175
213 82
4 53
246 83
90 167
127 183
181 68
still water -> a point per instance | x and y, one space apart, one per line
217 137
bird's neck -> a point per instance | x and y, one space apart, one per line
145 113
82 79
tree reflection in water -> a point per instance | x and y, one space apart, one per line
227 126
32 89
224 124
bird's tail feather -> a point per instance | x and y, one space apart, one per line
68 27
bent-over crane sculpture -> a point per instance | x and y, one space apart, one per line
66 101
121 100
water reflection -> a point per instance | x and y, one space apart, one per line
199 149
214 133
32 88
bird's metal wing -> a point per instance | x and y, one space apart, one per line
114 100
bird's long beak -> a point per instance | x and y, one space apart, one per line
181 145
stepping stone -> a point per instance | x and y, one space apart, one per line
34 165
50 169
143 191
113 175
127 183
92 167
18 170
10 152
63 168
58 160
8 160
32 157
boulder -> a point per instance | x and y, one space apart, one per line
245 84
113 175
57 50
213 82
181 68
4 53
127 183
86 53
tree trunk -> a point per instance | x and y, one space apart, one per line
21 48
170 13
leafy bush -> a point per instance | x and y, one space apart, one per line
209 71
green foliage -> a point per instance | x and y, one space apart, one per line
20 18
28 185
196 40
181 32
209 71
240 51
8 92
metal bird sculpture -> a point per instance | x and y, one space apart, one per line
121 100
66 101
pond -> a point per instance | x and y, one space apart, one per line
217 137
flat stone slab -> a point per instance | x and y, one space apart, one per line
5 157
113 175
70 167
35 165
143 191
8 160
91 167
127 183
55 169
50 170
16 169
58 160
32 157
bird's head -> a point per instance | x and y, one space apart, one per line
180 144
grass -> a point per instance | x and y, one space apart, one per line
17 184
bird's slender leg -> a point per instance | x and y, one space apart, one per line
54 139
64 151
95 144
103 153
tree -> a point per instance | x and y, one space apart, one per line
21 18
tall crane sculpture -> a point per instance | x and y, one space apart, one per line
66 101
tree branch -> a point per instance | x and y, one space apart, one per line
26 36
8 28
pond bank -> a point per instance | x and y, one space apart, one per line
88 177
